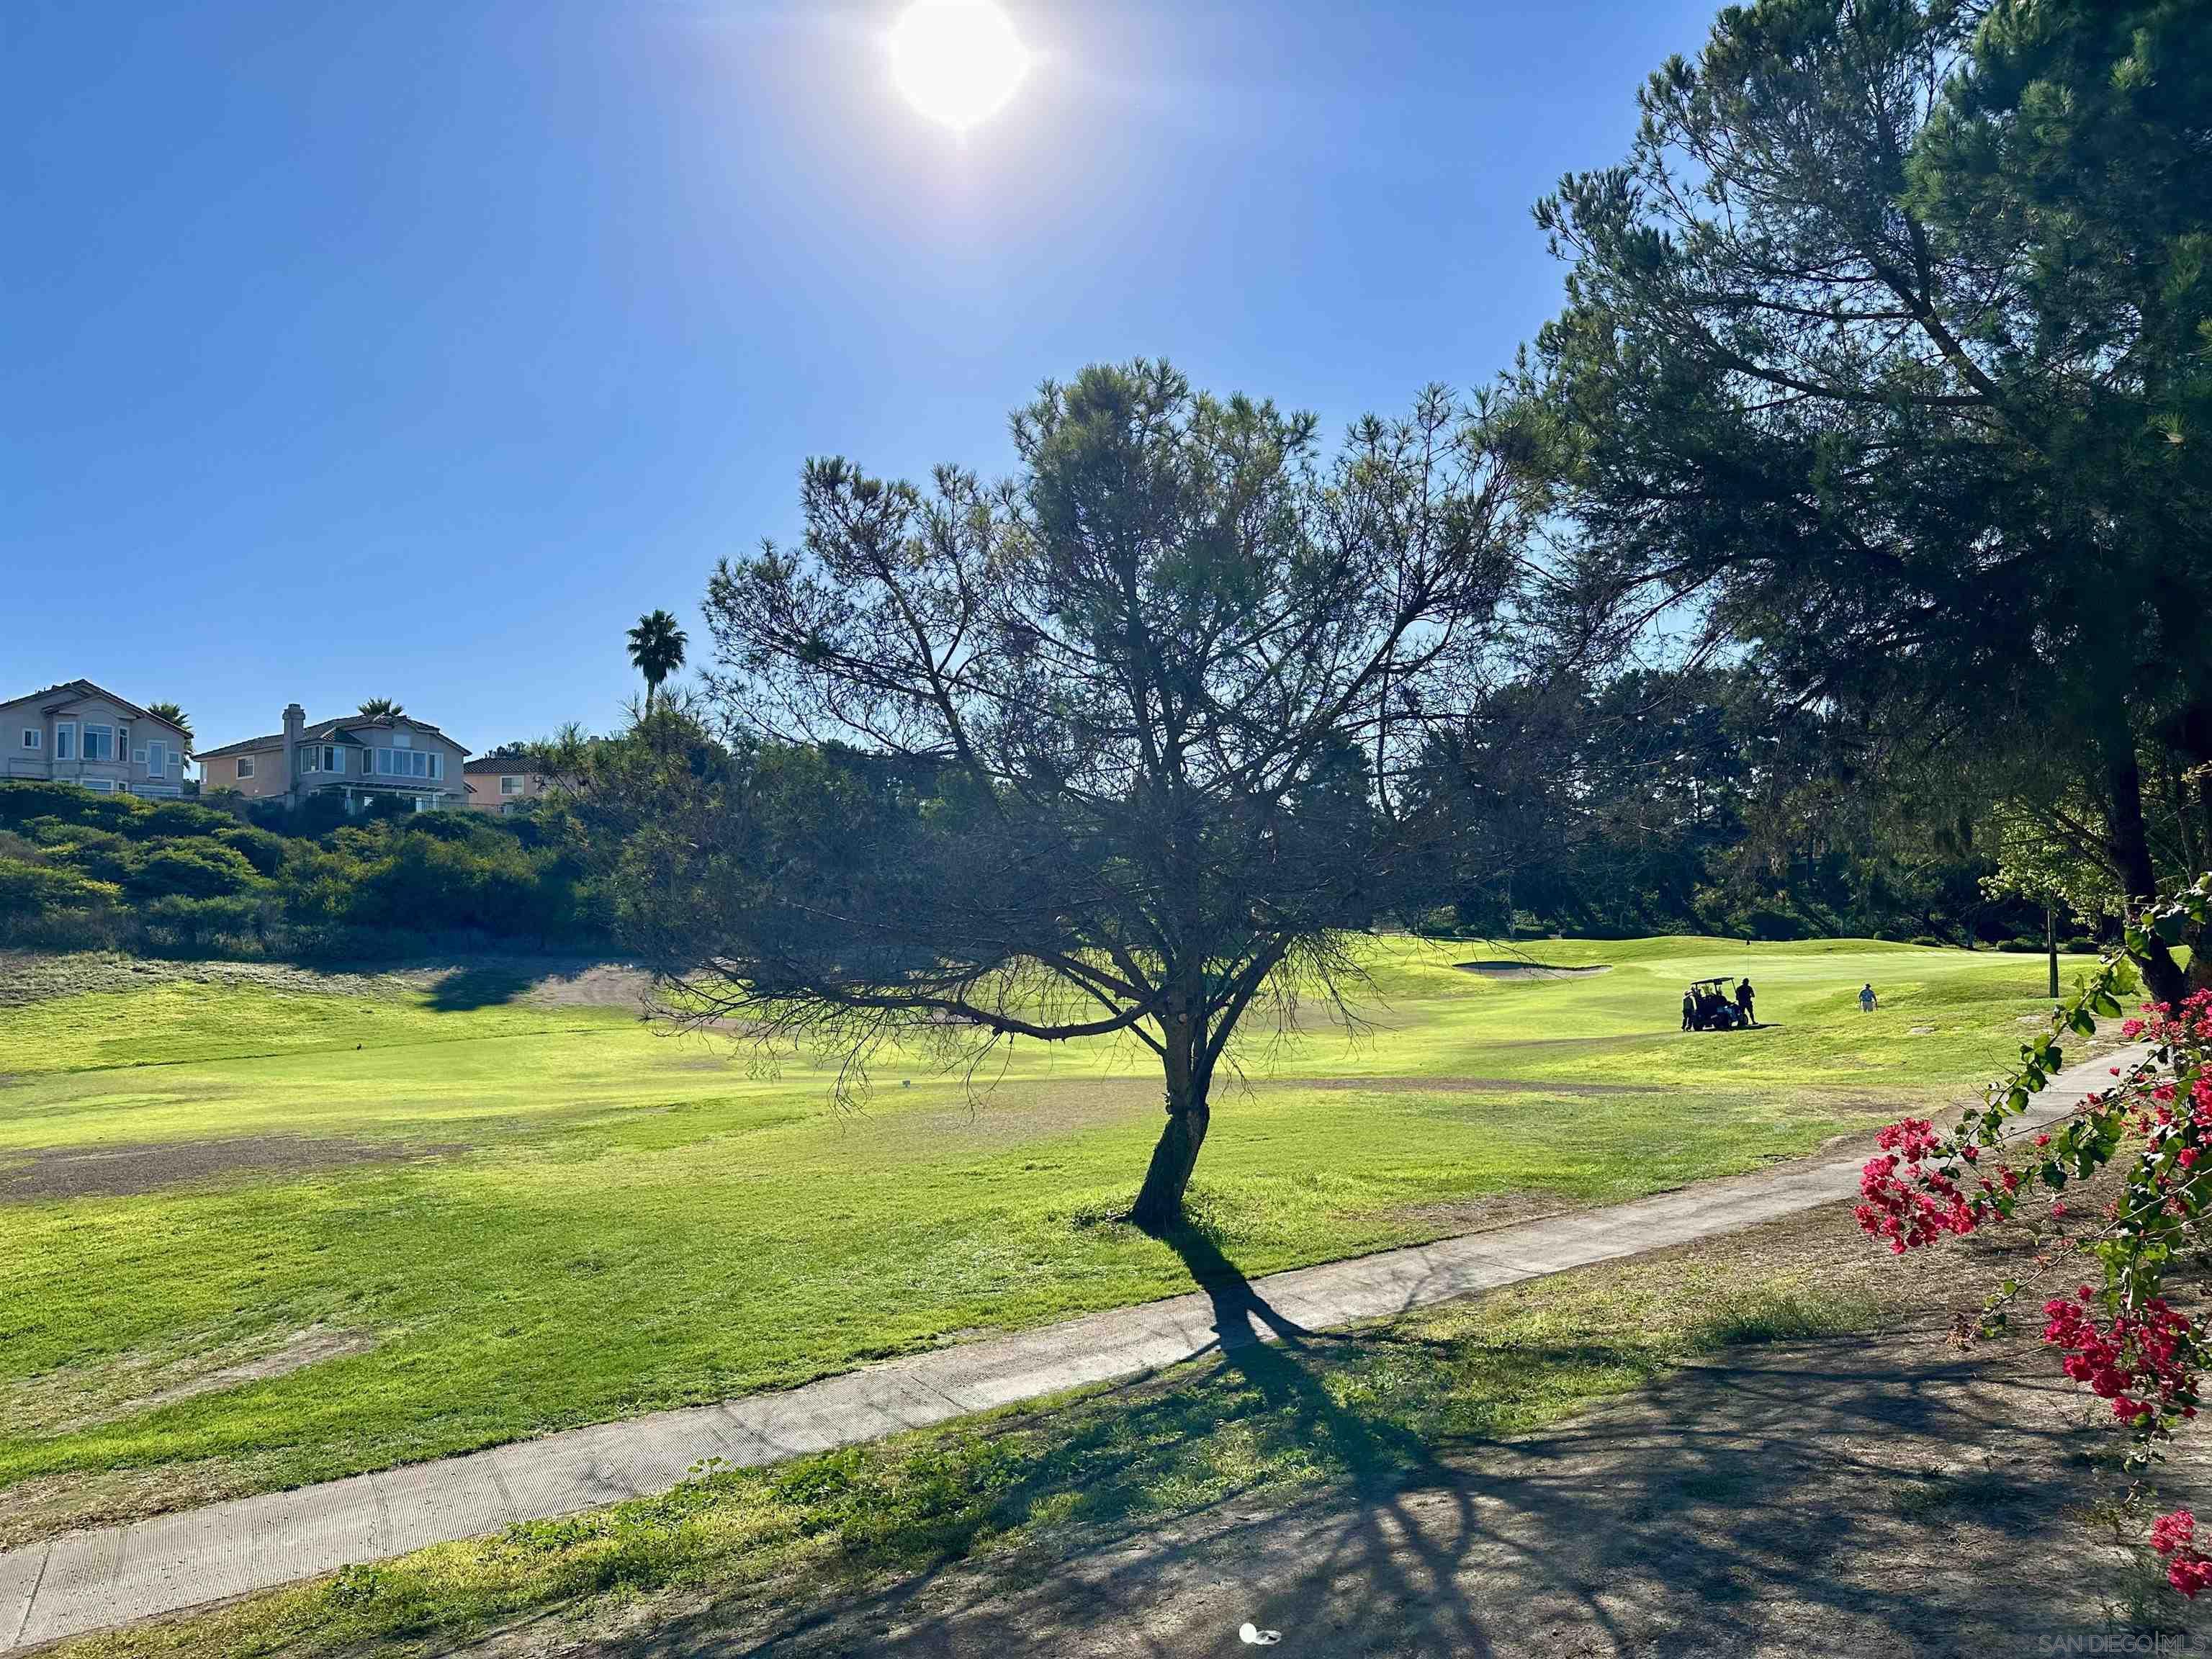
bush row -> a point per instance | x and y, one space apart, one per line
81 871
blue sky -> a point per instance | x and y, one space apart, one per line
414 348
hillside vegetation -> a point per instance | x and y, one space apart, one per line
81 871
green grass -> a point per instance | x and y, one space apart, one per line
595 1218
1361 1414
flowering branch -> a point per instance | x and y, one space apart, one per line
2119 1338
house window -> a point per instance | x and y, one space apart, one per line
244 766
409 763
64 740
99 742
157 758
32 736
510 785
102 786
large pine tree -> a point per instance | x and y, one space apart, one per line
1872 364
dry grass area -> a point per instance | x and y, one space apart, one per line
546 982
27 977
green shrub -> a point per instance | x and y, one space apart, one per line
101 854
26 887
237 924
188 870
1930 941
43 907
21 801
169 819
259 848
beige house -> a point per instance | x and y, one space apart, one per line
362 758
503 781
79 733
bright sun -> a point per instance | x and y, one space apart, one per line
957 61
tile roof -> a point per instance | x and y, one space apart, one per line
84 689
500 760
339 730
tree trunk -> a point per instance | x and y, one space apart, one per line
2196 749
2131 849
1159 1208
2051 944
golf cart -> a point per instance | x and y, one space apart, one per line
1714 1005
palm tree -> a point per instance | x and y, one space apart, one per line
176 717
656 647
379 706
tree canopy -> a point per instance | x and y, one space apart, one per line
657 645
1829 375
1118 747
174 713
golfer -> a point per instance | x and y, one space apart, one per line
1867 1001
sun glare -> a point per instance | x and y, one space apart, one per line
957 61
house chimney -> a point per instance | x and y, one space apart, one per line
296 722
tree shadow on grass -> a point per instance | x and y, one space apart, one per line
483 985
1684 1517
1137 1460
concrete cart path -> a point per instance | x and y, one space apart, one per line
86 1581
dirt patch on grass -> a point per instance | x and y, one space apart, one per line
49 1504
1449 1218
1455 1085
1506 969
1021 1109
306 1348
66 1172
602 985
78 1397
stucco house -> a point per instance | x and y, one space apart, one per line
361 758
503 781
79 733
